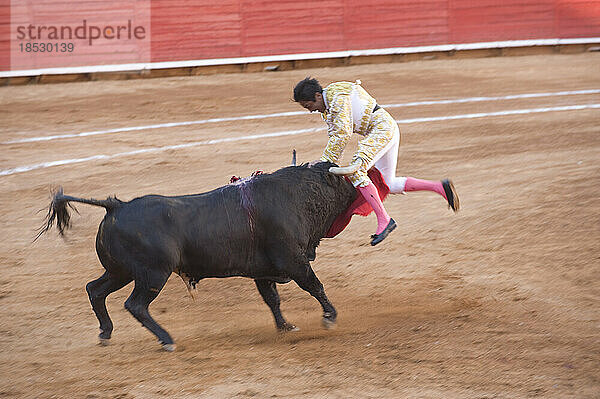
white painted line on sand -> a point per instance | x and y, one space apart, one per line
497 98
156 126
295 113
500 113
21 169
28 168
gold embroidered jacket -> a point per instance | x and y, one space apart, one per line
348 109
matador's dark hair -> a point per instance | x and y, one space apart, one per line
305 89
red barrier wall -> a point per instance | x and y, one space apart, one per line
185 30
64 33
208 29
4 35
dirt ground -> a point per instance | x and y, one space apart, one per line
500 300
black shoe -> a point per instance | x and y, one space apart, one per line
452 197
377 238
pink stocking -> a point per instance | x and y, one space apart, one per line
413 184
370 194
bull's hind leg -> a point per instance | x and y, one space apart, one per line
268 291
98 290
308 281
143 294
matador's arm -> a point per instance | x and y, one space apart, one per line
339 128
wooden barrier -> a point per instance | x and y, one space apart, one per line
201 36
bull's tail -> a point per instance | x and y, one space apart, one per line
58 211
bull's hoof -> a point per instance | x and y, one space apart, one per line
328 323
103 341
169 347
287 327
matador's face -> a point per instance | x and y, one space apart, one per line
317 105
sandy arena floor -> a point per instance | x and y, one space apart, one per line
501 300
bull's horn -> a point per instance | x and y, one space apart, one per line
346 170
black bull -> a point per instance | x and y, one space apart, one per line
265 228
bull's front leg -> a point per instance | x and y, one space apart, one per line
268 291
308 281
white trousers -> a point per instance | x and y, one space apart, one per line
386 161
